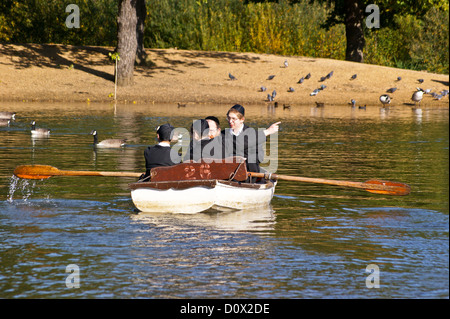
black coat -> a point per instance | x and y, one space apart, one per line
248 144
158 155
208 148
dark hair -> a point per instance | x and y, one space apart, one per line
213 118
165 132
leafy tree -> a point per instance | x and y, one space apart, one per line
352 14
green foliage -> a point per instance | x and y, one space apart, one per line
277 27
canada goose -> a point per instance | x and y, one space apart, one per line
39 131
385 99
110 143
7 115
4 122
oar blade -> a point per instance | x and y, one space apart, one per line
35 171
391 188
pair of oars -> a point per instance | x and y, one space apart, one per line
373 186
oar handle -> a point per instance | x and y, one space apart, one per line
95 173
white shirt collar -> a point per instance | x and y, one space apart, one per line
240 131
167 144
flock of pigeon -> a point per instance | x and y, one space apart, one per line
385 99
417 96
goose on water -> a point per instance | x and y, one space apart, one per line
39 131
110 143
7 115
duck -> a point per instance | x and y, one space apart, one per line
39 131
7 115
320 104
385 99
286 106
417 96
109 143
181 104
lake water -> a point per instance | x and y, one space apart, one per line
316 241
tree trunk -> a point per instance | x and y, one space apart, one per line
126 41
141 11
354 32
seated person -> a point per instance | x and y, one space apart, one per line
160 154
200 145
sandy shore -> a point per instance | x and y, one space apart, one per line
59 73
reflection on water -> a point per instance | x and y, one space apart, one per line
314 242
261 219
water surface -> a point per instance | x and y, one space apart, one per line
315 241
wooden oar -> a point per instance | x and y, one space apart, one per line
46 171
374 185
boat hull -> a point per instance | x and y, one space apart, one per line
190 197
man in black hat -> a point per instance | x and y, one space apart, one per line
160 154
199 139
241 140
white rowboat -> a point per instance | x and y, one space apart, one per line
190 197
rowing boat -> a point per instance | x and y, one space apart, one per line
195 196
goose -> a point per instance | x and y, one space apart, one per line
7 115
385 99
110 143
417 96
39 131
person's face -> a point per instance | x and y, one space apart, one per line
234 121
213 129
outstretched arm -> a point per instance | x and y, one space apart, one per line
272 129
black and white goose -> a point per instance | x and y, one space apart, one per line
108 143
7 115
385 99
37 132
